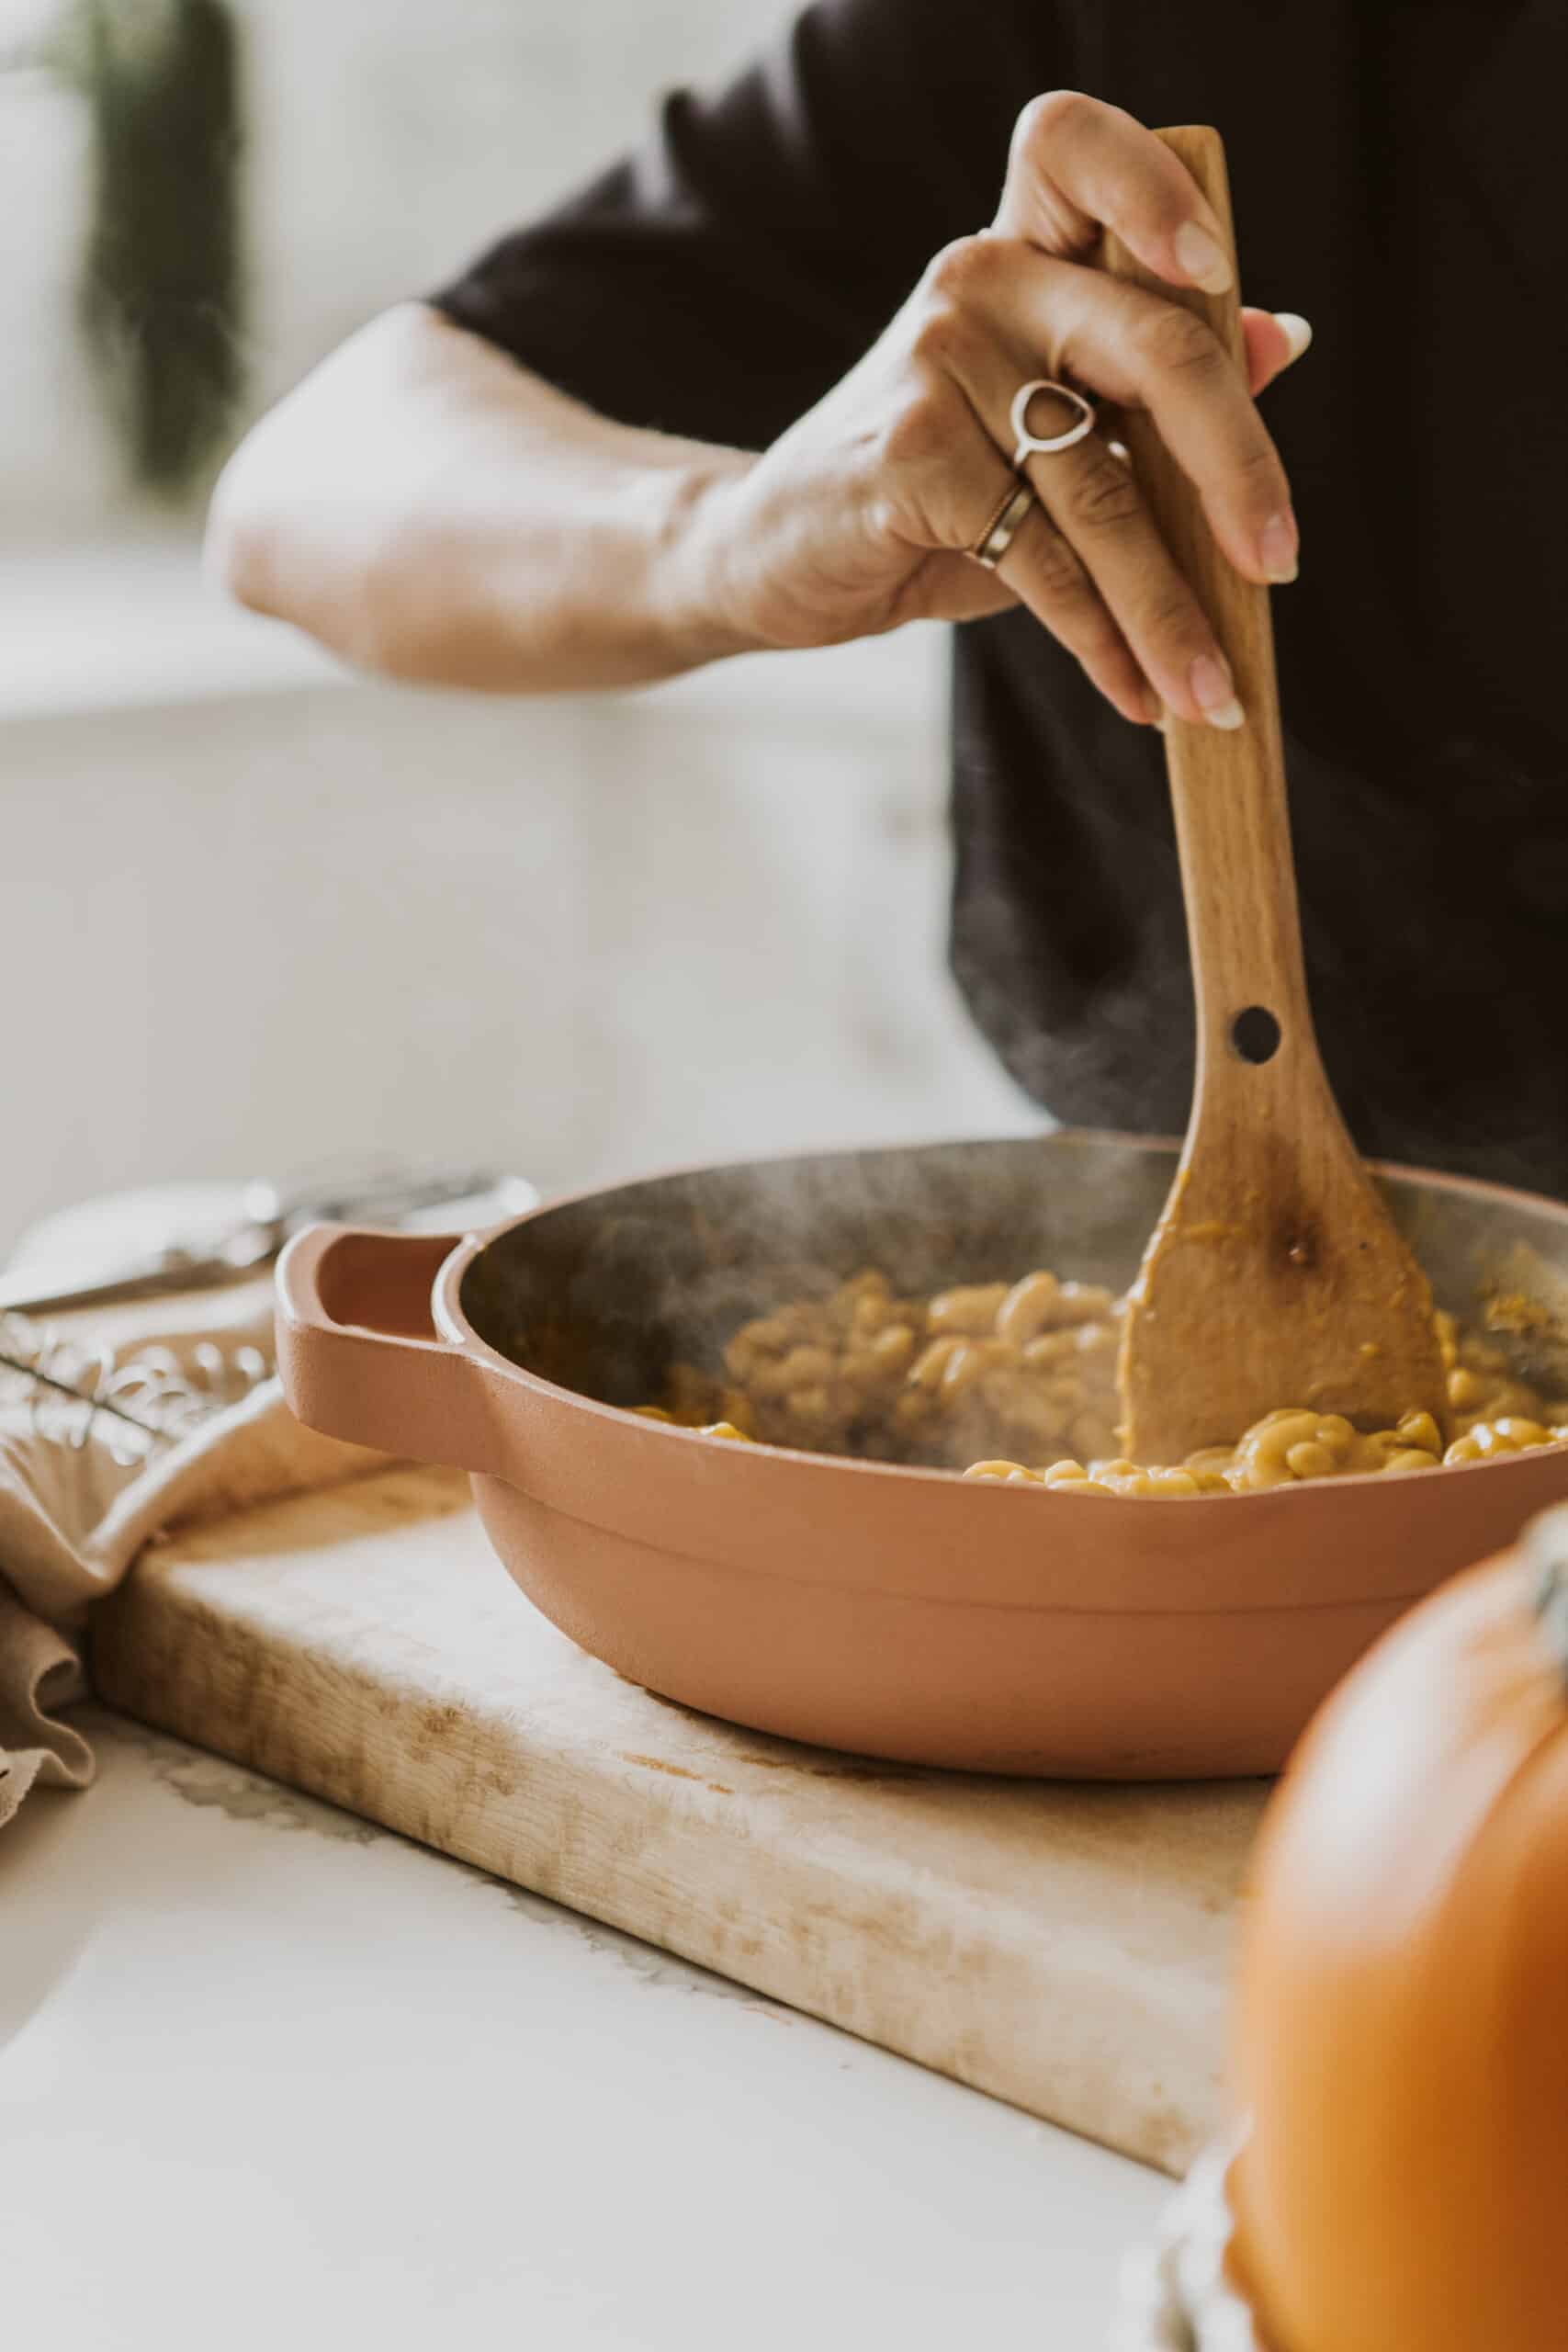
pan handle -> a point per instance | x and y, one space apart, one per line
359 1353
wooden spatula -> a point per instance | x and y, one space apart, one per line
1275 1276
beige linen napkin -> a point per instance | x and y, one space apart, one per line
75 1515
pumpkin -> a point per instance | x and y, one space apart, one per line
1401 2040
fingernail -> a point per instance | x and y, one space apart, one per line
1154 710
1278 546
1203 259
1213 691
1297 331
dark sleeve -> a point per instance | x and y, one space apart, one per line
720 280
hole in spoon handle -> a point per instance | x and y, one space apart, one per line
1256 1034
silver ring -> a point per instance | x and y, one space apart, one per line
1004 526
1030 445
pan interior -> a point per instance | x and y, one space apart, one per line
601 1294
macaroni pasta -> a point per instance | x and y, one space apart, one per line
993 1377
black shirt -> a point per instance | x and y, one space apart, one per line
1398 176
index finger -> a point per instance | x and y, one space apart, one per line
1143 350
1078 165
1146 352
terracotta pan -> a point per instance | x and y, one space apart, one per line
904 1614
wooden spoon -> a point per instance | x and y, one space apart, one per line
1275 1276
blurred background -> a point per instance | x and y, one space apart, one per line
260 911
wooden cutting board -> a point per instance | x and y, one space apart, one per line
1064 1946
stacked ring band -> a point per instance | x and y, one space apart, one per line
1003 527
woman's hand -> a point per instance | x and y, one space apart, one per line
863 515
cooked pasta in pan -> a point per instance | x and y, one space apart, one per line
1016 1382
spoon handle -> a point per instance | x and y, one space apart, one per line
1228 786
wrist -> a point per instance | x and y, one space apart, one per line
693 567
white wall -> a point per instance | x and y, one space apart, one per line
387 140
392 138
58 470
253 919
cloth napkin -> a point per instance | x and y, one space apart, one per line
78 1501
1177 2294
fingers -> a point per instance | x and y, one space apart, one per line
1093 503
1274 339
954 484
1045 572
1088 561
1078 164
1137 349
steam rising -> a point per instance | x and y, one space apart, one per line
602 1295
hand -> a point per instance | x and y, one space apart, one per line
862 516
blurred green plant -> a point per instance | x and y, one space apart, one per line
161 288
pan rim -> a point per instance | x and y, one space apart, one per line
455 1324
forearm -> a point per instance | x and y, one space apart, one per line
429 510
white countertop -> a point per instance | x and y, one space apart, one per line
271 2077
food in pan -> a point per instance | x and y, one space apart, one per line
998 1376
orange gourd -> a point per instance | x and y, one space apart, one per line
1403 2024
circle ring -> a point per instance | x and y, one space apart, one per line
1004 525
1030 445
